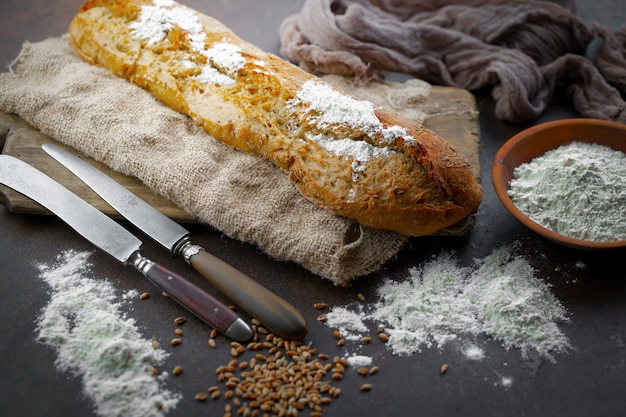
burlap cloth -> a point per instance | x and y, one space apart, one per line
244 196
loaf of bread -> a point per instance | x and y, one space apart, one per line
341 153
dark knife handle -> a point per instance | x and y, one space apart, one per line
276 314
193 298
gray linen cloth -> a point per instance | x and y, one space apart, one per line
528 52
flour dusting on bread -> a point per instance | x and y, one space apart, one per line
341 153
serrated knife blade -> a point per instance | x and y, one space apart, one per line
275 313
118 242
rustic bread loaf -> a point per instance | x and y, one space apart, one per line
341 153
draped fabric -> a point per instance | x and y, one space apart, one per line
527 53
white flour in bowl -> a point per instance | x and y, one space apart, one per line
577 190
84 324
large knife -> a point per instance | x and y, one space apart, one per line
118 242
276 314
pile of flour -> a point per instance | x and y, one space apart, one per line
84 324
441 301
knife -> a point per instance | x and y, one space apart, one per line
118 242
275 313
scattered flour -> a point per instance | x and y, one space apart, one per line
358 149
226 55
328 107
351 326
335 108
513 305
441 301
83 322
427 308
506 381
129 295
474 352
348 322
155 21
357 361
577 190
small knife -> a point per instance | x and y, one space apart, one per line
113 239
276 314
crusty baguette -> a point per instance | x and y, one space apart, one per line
341 153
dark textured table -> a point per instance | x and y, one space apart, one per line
589 380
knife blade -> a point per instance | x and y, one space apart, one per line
275 313
118 242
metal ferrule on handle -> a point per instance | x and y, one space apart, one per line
140 263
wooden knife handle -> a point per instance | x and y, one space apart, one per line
276 314
193 298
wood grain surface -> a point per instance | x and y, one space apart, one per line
22 141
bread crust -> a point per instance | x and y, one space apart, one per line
359 162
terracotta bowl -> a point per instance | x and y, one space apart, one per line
536 141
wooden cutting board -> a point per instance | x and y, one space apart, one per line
19 139
451 112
